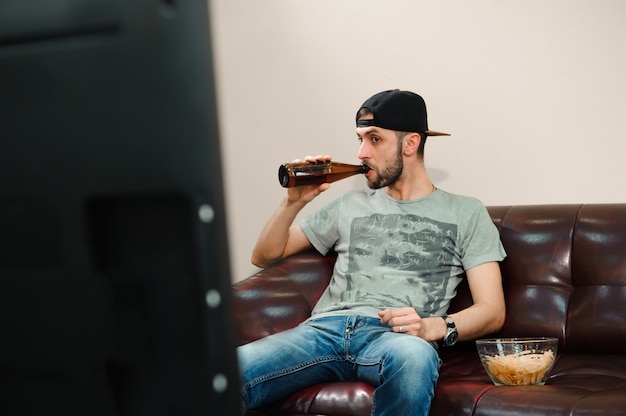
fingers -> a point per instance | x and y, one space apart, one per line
306 194
385 316
314 159
388 316
318 158
402 320
323 187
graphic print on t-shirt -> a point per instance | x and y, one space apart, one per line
399 259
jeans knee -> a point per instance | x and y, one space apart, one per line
415 359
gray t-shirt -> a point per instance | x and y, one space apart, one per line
393 253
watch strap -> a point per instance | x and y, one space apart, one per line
451 335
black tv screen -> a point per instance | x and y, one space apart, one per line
114 273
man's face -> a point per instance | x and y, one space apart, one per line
381 150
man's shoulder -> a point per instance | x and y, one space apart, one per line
459 199
459 206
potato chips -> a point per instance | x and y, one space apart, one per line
523 368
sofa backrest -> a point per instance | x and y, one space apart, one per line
280 296
564 275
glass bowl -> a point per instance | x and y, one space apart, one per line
518 361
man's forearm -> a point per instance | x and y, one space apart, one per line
478 320
274 236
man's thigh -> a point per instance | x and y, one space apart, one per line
286 362
391 352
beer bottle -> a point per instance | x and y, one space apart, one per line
316 173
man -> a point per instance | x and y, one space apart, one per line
402 248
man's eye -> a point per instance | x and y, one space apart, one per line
375 139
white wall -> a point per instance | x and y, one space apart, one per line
533 92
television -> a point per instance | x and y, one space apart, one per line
114 264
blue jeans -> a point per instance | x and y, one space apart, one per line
403 368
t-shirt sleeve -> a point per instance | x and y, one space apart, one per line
481 242
322 226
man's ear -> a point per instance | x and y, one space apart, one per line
411 143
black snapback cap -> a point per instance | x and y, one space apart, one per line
397 110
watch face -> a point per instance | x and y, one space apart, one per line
452 335
451 338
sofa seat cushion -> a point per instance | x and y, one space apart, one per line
325 399
578 384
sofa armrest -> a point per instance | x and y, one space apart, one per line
280 296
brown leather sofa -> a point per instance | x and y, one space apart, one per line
565 276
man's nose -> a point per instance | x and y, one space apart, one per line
364 151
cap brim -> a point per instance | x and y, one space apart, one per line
435 133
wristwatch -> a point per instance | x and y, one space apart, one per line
452 335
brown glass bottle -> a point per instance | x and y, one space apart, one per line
309 173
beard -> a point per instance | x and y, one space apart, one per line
390 174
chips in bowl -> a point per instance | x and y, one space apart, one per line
518 361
